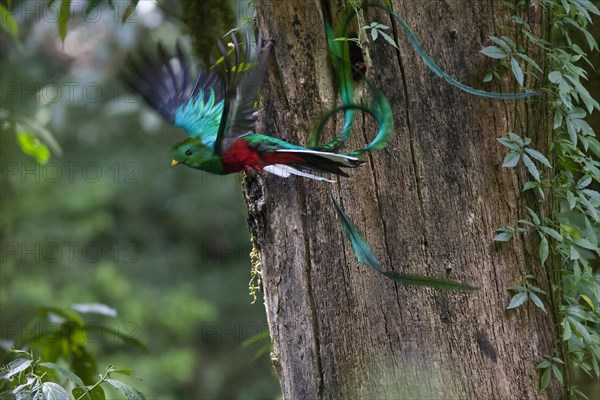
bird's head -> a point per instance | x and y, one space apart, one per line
193 153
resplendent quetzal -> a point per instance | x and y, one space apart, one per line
216 107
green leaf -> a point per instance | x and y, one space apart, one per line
592 210
593 45
518 20
53 391
578 326
509 143
517 300
577 311
389 39
516 70
511 159
584 182
503 237
573 253
557 374
530 61
32 146
65 373
516 138
374 33
572 130
589 301
544 250
538 156
565 92
525 222
488 77
129 10
544 364
64 13
501 43
586 244
67 315
545 380
493 52
509 41
537 301
95 308
590 103
128 372
96 393
588 5
593 195
79 393
534 216
8 23
571 200
541 192
28 384
536 289
30 126
566 335
552 232
555 77
15 367
83 363
531 167
558 119
129 391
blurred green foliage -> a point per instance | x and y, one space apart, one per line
111 222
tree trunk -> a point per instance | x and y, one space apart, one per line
428 204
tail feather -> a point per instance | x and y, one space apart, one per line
377 105
322 161
340 59
285 171
433 67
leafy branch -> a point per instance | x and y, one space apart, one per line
574 220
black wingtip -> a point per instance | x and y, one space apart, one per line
166 79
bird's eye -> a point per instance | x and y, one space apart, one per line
188 152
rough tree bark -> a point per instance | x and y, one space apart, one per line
428 204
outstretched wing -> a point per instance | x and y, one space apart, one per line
192 101
242 71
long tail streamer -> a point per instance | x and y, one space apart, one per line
380 109
414 41
365 255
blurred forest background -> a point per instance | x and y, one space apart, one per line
111 222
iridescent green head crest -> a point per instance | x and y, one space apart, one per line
193 153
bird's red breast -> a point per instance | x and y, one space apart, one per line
240 156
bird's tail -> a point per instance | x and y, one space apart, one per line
433 67
378 106
286 162
380 109
339 53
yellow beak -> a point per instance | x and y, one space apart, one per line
174 163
